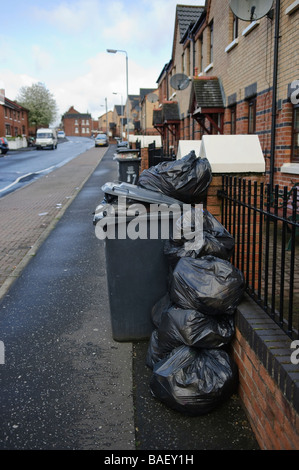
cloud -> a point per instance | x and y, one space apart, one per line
70 56
70 17
12 82
105 75
42 59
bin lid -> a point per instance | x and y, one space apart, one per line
133 191
126 150
127 158
127 153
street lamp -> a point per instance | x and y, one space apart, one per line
122 112
114 51
106 115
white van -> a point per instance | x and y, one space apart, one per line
46 138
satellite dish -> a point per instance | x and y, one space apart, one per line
152 97
250 10
180 81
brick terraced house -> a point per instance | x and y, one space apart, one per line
13 118
230 67
77 124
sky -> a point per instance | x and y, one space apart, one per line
63 43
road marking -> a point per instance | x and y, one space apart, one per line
24 176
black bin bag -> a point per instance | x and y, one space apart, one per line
186 179
154 353
192 328
159 309
194 381
216 240
209 284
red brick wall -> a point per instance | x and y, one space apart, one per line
273 419
15 120
144 159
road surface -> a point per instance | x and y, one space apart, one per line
18 168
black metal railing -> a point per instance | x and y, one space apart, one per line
265 225
158 155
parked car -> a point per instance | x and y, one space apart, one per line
122 143
3 146
101 140
60 134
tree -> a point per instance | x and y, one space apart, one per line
40 103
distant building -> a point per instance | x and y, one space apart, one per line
77 124
147 107
104 122
118 122
13 118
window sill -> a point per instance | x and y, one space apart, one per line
290 168
232 45
209 67
249 28
293 7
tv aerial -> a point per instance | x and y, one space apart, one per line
152 97
179 81
250 10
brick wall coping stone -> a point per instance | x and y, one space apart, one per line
272 346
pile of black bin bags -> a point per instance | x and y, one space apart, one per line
193 371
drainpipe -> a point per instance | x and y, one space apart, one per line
274 93
193 74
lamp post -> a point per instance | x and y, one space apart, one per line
114 51
102 105
122 112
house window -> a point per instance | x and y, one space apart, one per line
199 54
187 58
76 122
251 115
211 41
233 120
76 130
295 144
235 27
7 130
87 122
83 122
83 130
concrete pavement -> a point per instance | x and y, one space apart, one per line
65 384
29 214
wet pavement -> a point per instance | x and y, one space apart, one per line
66 384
